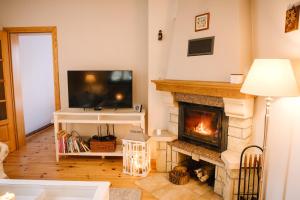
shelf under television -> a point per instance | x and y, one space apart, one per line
118 152
83 121
105 116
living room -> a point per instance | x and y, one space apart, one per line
151 40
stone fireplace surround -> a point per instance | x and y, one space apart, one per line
238 107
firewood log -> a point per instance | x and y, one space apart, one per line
179 175
204 173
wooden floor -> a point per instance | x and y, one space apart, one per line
36 160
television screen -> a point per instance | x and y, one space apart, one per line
107 89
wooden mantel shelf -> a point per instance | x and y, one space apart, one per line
216 89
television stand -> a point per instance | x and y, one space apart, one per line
105 116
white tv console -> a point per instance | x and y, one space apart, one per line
105 116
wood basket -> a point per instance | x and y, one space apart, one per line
179 175
103 146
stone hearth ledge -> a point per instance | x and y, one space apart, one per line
197 152
231 159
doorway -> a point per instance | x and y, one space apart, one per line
32 63
34 71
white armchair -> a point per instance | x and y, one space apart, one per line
3 154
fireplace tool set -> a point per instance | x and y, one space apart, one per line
250 173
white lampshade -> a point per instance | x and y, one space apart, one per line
271 78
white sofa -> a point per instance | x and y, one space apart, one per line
3 154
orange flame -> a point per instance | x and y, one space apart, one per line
200 128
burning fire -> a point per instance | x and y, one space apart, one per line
200 128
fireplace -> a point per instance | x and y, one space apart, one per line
234 128
203 125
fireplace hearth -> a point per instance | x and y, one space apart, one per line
203 125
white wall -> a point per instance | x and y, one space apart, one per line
93 34
270 41
292 188
161 16
229 23
36 65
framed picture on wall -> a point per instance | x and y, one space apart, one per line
202 22
292 19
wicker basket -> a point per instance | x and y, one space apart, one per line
103 146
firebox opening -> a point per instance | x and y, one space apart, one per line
203 125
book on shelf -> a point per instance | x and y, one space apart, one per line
71 142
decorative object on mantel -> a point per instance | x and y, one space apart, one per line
202 22
292 19
236 78
179 175
160 35
269 78
136 153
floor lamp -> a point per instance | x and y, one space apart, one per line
269 78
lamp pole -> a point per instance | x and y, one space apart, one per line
263 179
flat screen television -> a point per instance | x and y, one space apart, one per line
100 89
